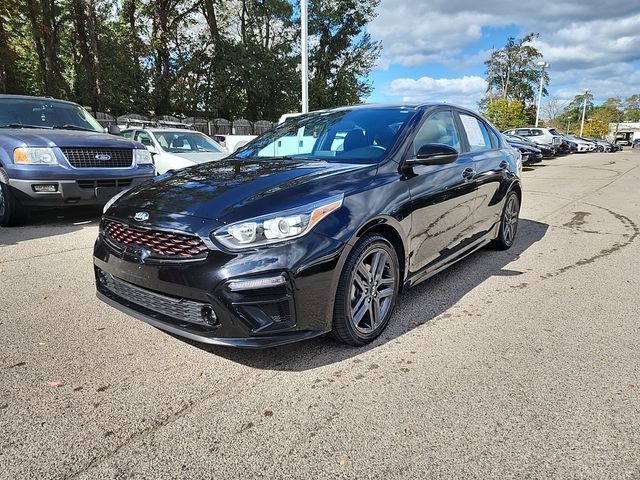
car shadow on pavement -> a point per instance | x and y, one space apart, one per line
51 222
415 307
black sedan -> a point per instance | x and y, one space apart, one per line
530 152
314 227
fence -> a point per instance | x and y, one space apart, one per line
217 126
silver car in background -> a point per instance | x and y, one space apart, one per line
176 148
538 135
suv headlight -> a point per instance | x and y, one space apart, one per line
34 156
142 156
276 227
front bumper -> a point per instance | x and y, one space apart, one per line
71 192
198 300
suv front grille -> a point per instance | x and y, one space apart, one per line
176 308
89 157
162 244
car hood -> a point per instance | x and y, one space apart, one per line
232 190
200 157
63 138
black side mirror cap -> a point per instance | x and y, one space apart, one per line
113 129
435 154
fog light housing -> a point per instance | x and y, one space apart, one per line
244 284
45 187
208 315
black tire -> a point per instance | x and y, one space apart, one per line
600 149
375 294
12 213
508 223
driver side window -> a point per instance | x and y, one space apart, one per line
438 128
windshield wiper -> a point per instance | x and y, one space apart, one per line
24 125
74 127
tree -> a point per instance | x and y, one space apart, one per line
572 113
343 53
512 72
506 114
632 108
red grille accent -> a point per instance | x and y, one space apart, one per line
165 244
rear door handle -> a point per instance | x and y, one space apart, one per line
468 173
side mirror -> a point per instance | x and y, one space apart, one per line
113 129
152 149
435 154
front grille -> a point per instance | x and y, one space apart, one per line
179 309
122 182
159 243
89 157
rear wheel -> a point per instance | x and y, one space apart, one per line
508 223
367 291
12 213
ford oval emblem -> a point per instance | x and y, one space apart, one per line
103 157
141 216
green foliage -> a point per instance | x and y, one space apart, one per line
506 114
512 72
213 58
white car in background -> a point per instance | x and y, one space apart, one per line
582 144
538 135
176 148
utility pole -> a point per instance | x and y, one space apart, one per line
542 66
304 55
568 124
584 109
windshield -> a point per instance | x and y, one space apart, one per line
362 135
186 142
45 113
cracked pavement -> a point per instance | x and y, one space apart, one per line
523 363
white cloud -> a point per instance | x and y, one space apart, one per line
587 45
465 91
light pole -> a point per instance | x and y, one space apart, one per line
584 109
542 66
304 55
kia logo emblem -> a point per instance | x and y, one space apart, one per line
141 216
103 157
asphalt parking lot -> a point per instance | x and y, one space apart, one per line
523 363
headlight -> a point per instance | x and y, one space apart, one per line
142 156
34 156
276 227
113 199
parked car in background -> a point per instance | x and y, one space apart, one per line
582 145
284 241
53 153
530 152
234 142
538 135
601 145
636 143
173 148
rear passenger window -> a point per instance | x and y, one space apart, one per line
477 133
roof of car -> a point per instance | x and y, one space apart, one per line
32 97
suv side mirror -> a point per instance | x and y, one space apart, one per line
434 154
113 129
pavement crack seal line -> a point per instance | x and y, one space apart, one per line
45 255
629 224
158 424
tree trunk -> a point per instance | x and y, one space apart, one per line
8 82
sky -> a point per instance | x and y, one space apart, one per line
433 50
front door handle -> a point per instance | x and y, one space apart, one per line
504 165
468 173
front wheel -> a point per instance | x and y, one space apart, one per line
508 223
11 211
367 291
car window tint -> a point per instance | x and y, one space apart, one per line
438 128
143 138
477 133
495 141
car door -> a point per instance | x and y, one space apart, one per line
491 166
442 196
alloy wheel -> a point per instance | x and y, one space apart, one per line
510 220
372 290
